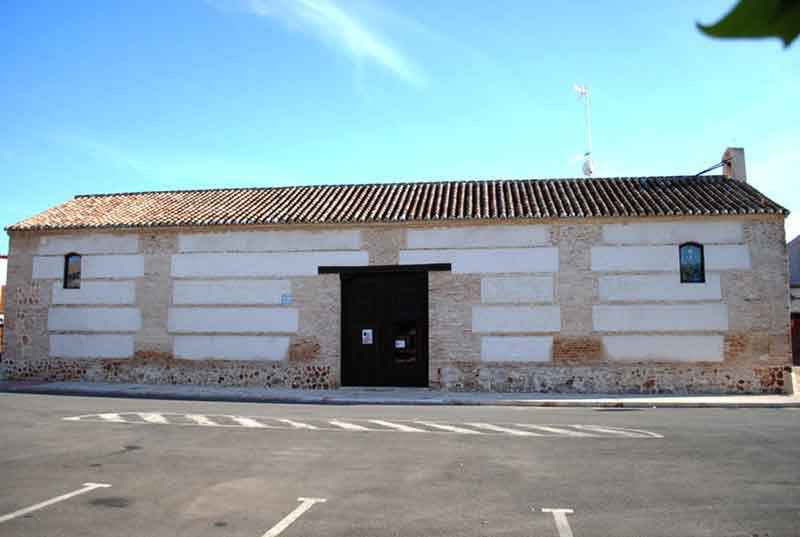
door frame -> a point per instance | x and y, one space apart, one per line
794 331
349 271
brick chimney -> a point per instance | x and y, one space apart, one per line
733 164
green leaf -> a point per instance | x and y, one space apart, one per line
759 18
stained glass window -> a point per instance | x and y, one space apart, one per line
692 263
72 271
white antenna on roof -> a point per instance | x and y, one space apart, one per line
588 163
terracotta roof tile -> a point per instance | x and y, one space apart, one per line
402 202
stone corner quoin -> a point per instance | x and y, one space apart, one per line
594 306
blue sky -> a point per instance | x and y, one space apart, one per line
113 95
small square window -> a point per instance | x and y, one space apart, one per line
72 271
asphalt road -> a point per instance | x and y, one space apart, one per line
222 469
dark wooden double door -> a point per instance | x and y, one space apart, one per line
385 329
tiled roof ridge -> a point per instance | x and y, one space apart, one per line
707 178
432 201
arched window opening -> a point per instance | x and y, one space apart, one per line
692 262
72 271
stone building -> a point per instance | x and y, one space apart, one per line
3 264
637 285
794 296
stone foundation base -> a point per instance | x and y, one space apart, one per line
466 377
644 379
153 370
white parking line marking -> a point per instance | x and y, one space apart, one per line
278 528
151 417
249 422
200 419
555 430
449 428
562 524
86 488
298 424
630 433
498 429
397 426
349 426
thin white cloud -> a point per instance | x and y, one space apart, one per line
152 165
332 24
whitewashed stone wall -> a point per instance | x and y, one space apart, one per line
99 319
515 315
641 294
233 293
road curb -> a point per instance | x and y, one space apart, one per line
375 399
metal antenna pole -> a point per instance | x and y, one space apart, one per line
588 164
588 121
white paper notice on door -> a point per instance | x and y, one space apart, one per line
366 336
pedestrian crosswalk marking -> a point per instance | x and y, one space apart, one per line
630 433
397 426
199 419
298 424
153 418
498 429
449 428
368 425
349 426
249 422
556 430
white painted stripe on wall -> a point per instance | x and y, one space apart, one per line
516 349
660 318
230 292
511 319
231 347
233 320
665 258
635 258
269 241
93 319
517 289
48 268
727 257
665 348
642 288
272 264
673 232
112 266
478 237
91 346
543 259
95 243
92 266
95 292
